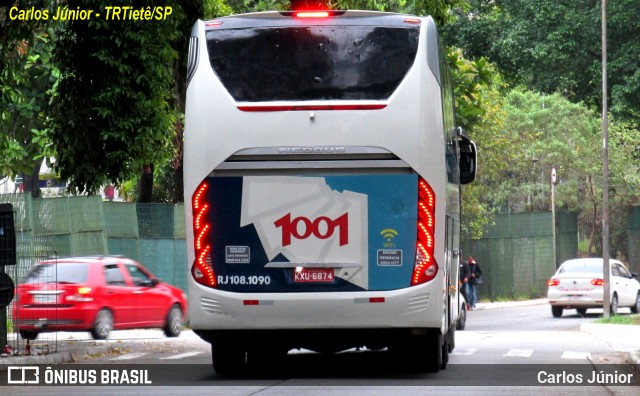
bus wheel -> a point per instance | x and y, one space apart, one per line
435 354
428 348
445 353
228 359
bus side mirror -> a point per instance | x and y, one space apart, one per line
468 158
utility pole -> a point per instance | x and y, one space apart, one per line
605 170
553 216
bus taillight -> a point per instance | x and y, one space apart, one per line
425 267
311 14
202 270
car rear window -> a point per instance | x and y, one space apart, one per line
59 273
312 62
581 266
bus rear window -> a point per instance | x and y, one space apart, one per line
312 62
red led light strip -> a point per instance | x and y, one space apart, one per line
425 267
201 269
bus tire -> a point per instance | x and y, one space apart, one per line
228 359
434 357
445 353
428 347
462 319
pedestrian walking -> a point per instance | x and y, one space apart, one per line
475 279
464 281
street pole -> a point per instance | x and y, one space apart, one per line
553 216
605 170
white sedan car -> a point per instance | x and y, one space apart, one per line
579 284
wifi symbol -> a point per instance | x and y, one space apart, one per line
389 234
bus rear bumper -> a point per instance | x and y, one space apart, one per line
415 307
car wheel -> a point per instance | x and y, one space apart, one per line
636 308
102 325
173 325
556 311
462 319
28 335
581 311
614 304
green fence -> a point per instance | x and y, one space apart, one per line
633 235
152 234
516 254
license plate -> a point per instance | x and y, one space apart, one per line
313 275
45 299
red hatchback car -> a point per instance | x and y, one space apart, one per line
96 294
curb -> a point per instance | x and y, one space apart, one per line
618 330
58 357
634 360
509 304
53 358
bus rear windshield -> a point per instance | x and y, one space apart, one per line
312 62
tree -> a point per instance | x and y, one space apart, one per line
27 85
479 110
554 46
112 115
545 132
170 179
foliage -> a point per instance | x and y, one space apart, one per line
112 114
624 180
552 46
545 132
478 103
27 85
621 319
532 44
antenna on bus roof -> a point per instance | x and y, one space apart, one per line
300 5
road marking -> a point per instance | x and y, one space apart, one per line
129 356
519 353
576 355
181 356
465 352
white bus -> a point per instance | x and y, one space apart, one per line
322 173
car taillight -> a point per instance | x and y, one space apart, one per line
425 267
553 282
202 270
82 294
597 282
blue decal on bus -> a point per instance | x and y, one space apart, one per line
317 222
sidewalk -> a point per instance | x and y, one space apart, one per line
74 346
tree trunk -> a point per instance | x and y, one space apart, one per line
31 183
145 188
179 178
